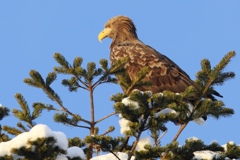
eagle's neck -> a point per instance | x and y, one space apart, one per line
124 33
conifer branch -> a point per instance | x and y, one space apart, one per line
104 79
134 145
4 111
183 126
214 75
116 68
20 125
141 129
23 114
4 137
209 77
82 82
137 81
61 60
161 136
37 81
11 130
80 126
114 155
55 98
92 111
66 68
222 64
113 113
111 128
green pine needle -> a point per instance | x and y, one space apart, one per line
11 130
77 62
61 60
50 78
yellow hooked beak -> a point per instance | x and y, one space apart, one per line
104 34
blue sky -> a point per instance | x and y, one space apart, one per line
32 31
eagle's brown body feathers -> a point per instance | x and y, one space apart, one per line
164 74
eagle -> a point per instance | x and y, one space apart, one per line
164 74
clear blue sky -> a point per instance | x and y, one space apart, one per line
186 31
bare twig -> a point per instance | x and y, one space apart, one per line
141 129
80 126
108 131
180 131
92 110
79 79
113 113
175 138
82 86
162 136
115 155
63 108
99 81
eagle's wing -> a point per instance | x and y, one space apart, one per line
164 74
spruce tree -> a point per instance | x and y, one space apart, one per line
144 111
